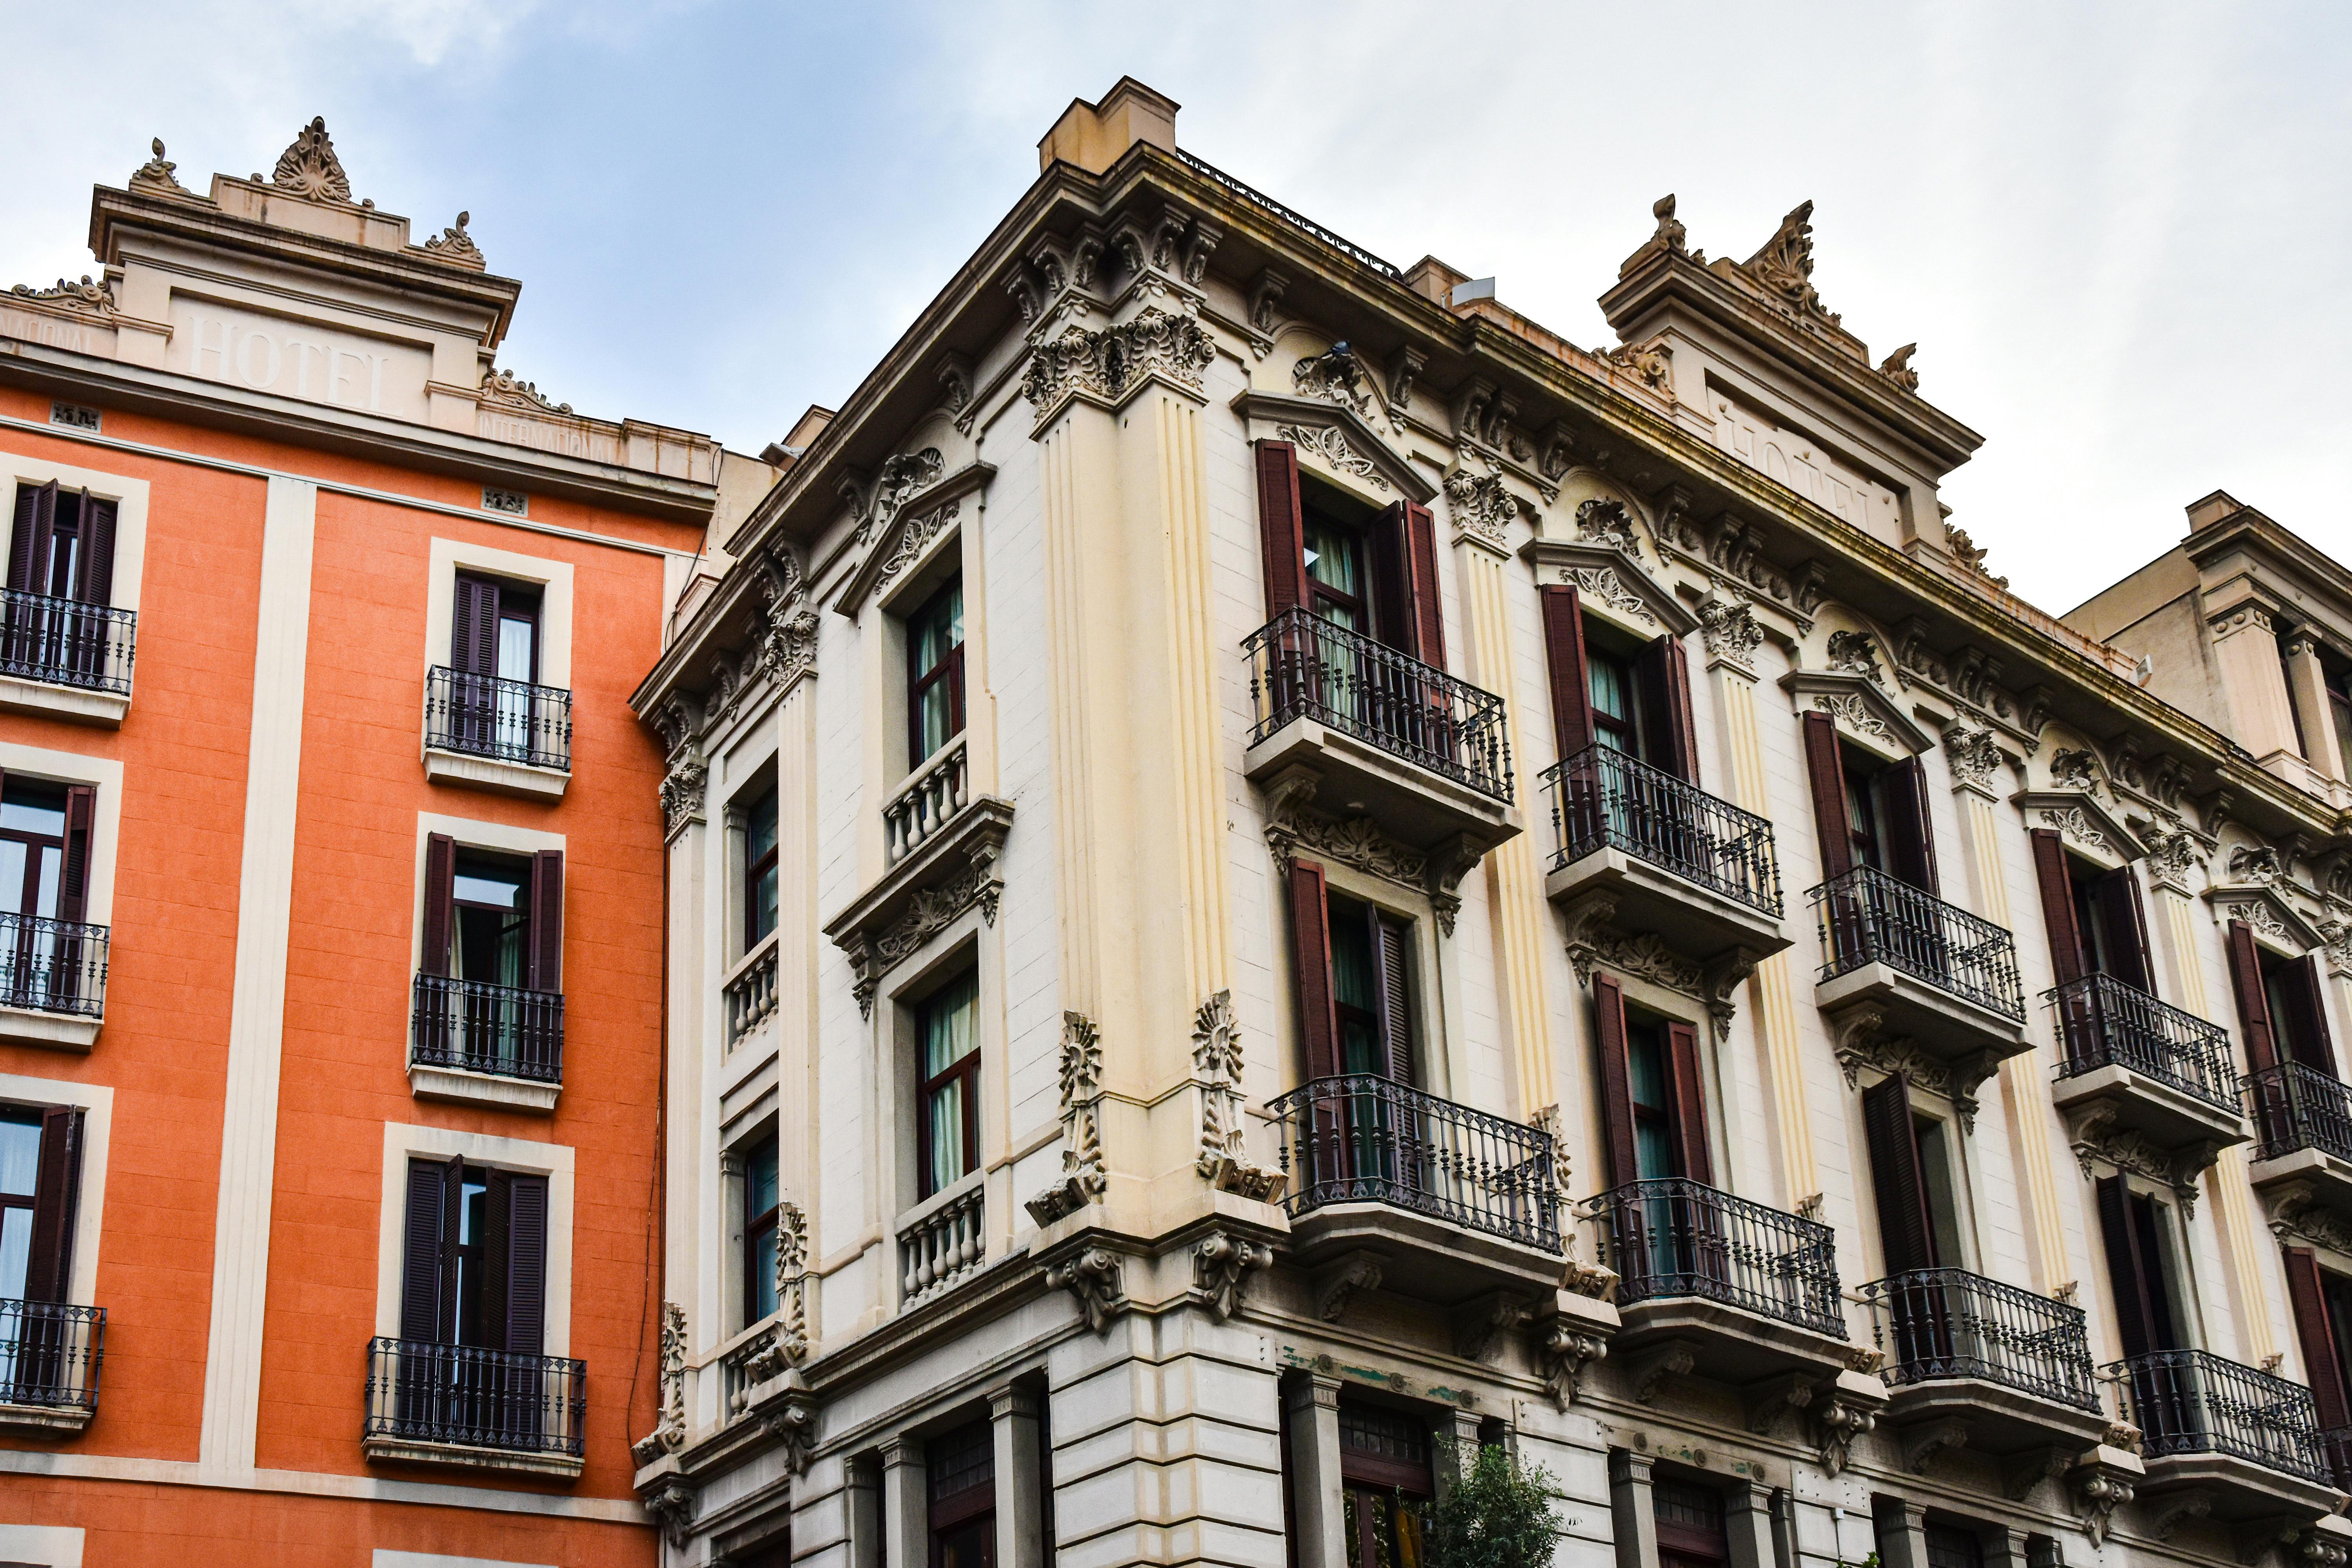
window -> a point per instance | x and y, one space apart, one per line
760 869
494 629
1372 990
1654 1154
1919 1221
1386 1485
1950 1546
1337 581
959 1475
44 845
474 1270
40 1189
62 546
2142 1267
760 1205
2292 988
489 981
950 1115
1616 716
1690 1524
935 674
1653 1091
2322 1300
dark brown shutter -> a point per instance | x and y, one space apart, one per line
2057 880
1310 930
1388 941
2253 1005
1571 685
452 1223
1392 585
2304 987
1690 1103
2123 925
73 885
1905 1232
2323 1368
474 626
1616 1080
2126 1269
547 920
28 545
97 549
56 1198
492 1248
1825 771
1420 559
440 906
1662 682
1280 528
1914 827
526 1266
420 1257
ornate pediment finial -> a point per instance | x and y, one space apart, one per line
1785 265
95 298
156 173
1896 368
309 167
456 245
504 386
1671 233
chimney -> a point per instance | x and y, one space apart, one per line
1092 135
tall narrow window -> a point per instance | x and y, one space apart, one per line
935 674
41 1188
960 1474
1337 581
1385 1478
32 847
492 900
951 1088
760 869
1372 989
1655 1154
20 1166
1616 712
474 1272
761 1191
62 545
494 629
1690 1524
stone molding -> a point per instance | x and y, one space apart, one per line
1084 1177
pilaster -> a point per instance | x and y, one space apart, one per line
1902 1528
906 1502
1633 1511
2246 656
2307 688
1315 1470
1747 1526
1020 1491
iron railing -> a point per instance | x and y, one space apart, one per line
481 1027
1304 667
2335 1447
1366 1139
509 721
474 1398
1259 198
2299 1107
1939 1323
53 967
1603 799
2102 1022
50 1354
2194 1402
1869 917
64 642
1668 1237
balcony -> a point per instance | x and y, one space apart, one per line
2303 1136
1975 1362
485 1044
2226 1442
1926 970
49 1360
750 992
932 793
52 981
2131 1062
1716 1287
1673 858
64 658
1422 755
942 1240
1458 1201
475 1409
509 736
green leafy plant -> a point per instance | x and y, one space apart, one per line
1499 1515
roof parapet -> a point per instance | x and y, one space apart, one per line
1093 135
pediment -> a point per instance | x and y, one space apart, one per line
1864 713
2083 821
2276 923
906 538
1336 439
1612 582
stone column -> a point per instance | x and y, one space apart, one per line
1633 1512
1020 1479
1313 1402
2307 688
2246 654
861 1482
2004 1547
906 1502
1455 1458
1747 1526
1902 1528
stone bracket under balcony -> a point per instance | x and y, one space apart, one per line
1875 1008
2258 1507
954 869
1697 1336
2113 1100
2042 1437
2308 1196
466 1457
1418 1256
444 767
1356 780
1642 898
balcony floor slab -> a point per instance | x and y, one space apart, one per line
1938 1023
2170 1116
384 1450
1998 1419
1412 804
1693 919
1729 1343
51 1031
2235 1491
458 1086
470 772
75 704
50 1421
2328 1177
1423 1256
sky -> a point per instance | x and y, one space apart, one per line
2117 231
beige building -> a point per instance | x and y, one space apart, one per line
1275 870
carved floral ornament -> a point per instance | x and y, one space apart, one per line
454 244
1853 710
1856 652
1608 523
2076 823
1336 376
1103 367
1329 443
1973 756
504 386
1785 268
1294 827
901 476
156 174
1084 1177
86 298
1481 505
1727 629
310 168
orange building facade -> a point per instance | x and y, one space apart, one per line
331 900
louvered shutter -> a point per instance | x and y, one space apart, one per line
1690 1103
1310 928
97 585
2253 1005
1678 703
2323 1367
1392 585
1825 773
73 884
440 901
57 1200
2123 925
1913 837
493 1249
474 626
420 1257
1280 528
2057 880
1616 1080
526 1265
28 545
452 1224
1571 683
1662 682
1420 559
547 920
2126 1269
1389 938
2304 987
1906 1234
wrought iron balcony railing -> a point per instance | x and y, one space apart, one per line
1303 667
1603 799
2194 1402
64 642
2105 1023
468 1398
481 1027
2335 1447
52 966
1941 1323
1259 198
50 1354
1869 917
1668 1237
505 720
2298 1107
1366 1139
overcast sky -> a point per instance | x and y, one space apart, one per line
2117 232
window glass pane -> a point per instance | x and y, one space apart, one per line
63 550
948 1164
20 1155
473 1214
938 718
473 887
947 1025
759 1180
1354 980
12 875
1613 690
15 1252
938 629
1331 557
762 1263
34 810
516 640
45 896
1645 1065
759 827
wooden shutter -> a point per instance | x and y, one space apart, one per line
1662 680
1825 771
474 626
1914 827
1616 1080
57 1199
2123 926
73 884
2057 880
2126 1269
1420 562
2304 987
28 545
492 1246
440 901
453 1222
421 1251
1390 940
546 958
526 1265
97 584
2253 1005
2323 1368
1280 527
1690 1103
1393 617
1905 1232
1571 684
1311 930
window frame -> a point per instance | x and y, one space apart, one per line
767 864
762 1225
928 1084
948 668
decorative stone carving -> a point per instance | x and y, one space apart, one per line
2256 864
1850 710
1896 368
503 387
790 646
790 1347
1479 1323
1837 1422
1973 756
902 477
1093 1277
1220 1261
955 387
1337 1284
1593 942
1329 443
1405 366
454 244
1972 559
1860 1044
1922 1446
669 1434
914 539
2335 936
2075 770
1223 1157
1651 363
1105 363
1785 268
978 884
1602 585
1564 1348
1674 1359
2298 1214
1670 232
682 795
1084 1177
1856 652
1727 629
1605 523
1480 504
92 298
671 1503
2096 1137
794 1426
1337 376
2260 916
2168 1515
155 173
1768 1401
2099 1491
2075 822
1265 293
1292 825
1558 452
310 168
